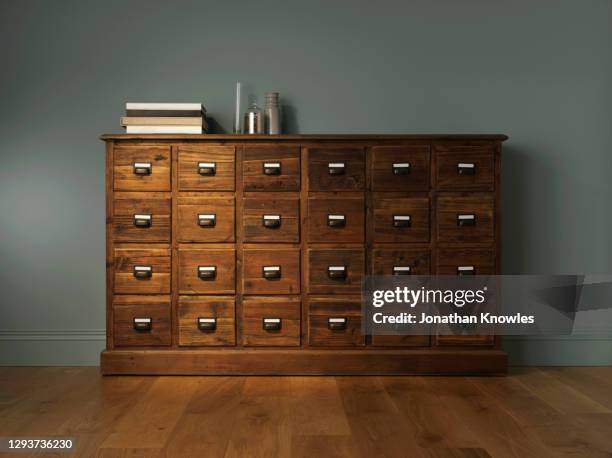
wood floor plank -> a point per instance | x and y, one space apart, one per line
499 433
150 422
207 424
557 394
439 428
262 427
586 381
378 427
316 407
457 453
324 446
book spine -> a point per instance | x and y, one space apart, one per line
164 113
163 129
155 121
164 106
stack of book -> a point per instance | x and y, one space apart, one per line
164 118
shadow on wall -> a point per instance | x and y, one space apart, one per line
289 118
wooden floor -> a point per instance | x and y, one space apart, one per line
531 413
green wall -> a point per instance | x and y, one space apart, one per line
539 71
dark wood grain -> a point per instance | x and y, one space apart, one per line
448 177
126 205
386 206
255 157
352 208
253 262
126 308
319 178
188 228
126 180
126 259
383 176
254 209
319 312
223 259
385 259
319 260
483 260
189 156
448 209
257 308
190 308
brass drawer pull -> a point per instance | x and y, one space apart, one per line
207 324
402 221
401 168
271 272
271 221
466 168
142 272
466 219
207 272
207 169
272 168
401 270
271 324
143 220
143 324
336 323
336 220
336 272
336 168
142 168
466 270
207 220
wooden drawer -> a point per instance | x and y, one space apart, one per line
271 271
206 321
400 341
206 219
465 261
141 168
400 262
334 322
141 321
400 168
271 168
400 219
139 271
270 321
465 167
206 168
337 271
275 220
336 219
466 219
207 271
139 217
465 341
336 169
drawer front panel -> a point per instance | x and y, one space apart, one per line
206 219
141 219
400 262
466 219
271 271
400 168
271 220
469 168
142 271
335 323
269 321
271 168
400 341
400 219
336 169
207 271
206 321
337 271
141 321
465 261
141 168
336 220
206 168
465 341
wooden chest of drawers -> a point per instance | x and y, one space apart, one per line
245 254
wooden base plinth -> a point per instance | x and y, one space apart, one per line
304 362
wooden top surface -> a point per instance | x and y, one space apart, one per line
304 137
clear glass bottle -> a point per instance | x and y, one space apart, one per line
253 120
